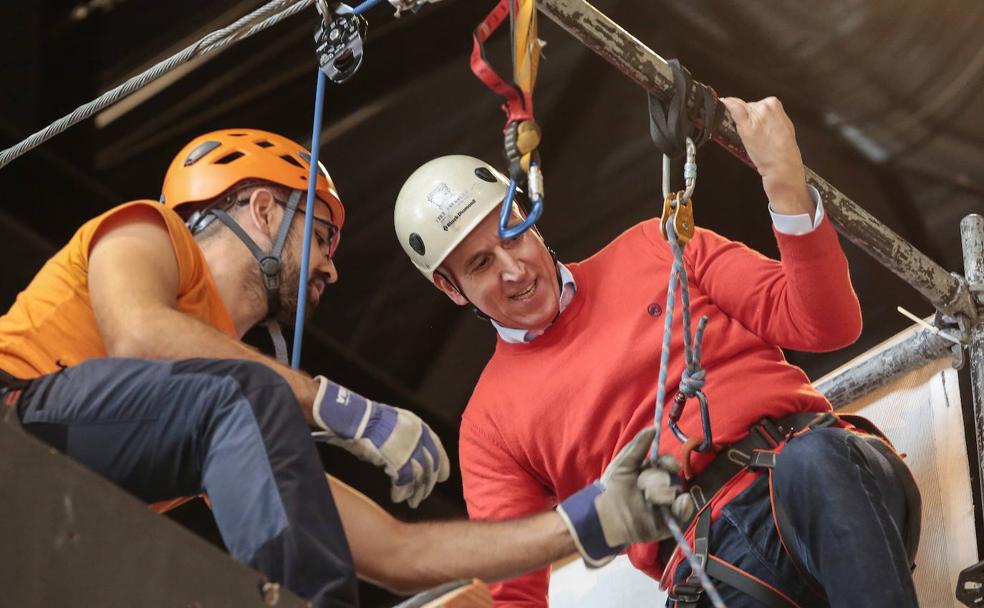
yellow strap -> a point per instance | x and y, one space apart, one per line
526 45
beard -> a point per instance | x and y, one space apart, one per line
290 281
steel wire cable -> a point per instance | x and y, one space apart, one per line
262 18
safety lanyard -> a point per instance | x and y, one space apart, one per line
525 52
522 134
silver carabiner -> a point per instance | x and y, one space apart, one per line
689 173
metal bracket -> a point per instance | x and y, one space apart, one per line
970 586
955 328
339 41
965 299
408 6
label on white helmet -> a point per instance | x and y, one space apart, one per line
450 204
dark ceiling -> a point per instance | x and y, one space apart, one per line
886 96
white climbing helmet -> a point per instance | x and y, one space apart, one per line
441 203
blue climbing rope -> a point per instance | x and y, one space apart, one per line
319 97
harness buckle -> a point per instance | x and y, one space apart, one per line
772 432
762 459
823 421
686 595
697 493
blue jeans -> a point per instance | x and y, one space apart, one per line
230 429
847 512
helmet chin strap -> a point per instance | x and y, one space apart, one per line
270 263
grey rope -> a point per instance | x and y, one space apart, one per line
262 18
693 380
694 375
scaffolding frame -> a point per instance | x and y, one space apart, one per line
958 300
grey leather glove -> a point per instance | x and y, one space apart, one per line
386 436
621 507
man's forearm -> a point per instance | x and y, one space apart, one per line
487 550
408 557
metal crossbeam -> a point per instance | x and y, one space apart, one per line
634 59
859 380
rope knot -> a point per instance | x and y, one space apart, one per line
692 380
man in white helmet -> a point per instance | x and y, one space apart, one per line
578 345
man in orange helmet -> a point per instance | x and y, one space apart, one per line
110 331
101 357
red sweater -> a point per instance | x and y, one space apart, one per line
547 416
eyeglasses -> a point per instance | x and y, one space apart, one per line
334 232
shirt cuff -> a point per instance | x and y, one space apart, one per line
799 224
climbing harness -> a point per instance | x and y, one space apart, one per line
521 133
758 452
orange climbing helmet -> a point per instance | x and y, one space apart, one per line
211 164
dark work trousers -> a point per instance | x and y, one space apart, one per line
230 429
848 510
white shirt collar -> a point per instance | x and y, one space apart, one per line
519 336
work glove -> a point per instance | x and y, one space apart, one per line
622 507
384 435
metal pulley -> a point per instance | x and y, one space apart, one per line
680 210
338 41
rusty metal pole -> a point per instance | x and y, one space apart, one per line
972 238
634 59
858 380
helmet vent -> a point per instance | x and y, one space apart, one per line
292 160
238 134
417 243
200 150
264 144
484 174
228 158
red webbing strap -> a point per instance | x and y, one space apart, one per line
519 105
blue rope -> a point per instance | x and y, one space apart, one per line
365 6
319 98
